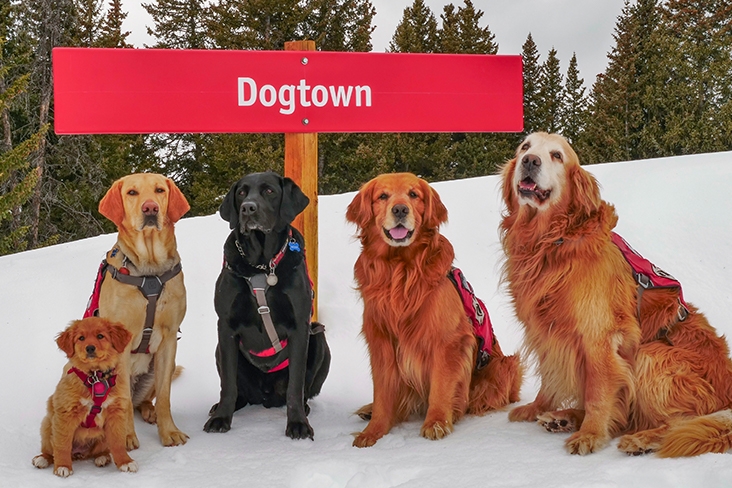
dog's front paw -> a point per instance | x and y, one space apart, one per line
299 430
365 440
130 467
63 471
173 438
584 443
218 424
436 430
131 442
42 461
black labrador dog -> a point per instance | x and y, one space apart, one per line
269 352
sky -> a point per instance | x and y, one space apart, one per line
673 210
584 27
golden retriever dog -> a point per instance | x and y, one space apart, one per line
86 416
608 364
421 344
145 258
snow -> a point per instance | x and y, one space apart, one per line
672 210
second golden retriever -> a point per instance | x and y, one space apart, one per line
608 365
144 291
421 344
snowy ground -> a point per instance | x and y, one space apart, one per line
674 211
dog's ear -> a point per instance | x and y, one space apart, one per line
359 210
507 179
294 201
435 212
177 203
228 210
585 192
65 339
111 205
119 336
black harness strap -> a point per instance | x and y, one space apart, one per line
151 287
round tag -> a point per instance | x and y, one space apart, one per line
272 279
99 389
124 271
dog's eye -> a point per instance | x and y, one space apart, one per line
268 191
383 196
525 147
413 194
132 193
100 336
81 338
557 155
159 190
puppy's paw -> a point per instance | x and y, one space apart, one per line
299 430
556 423
366 440
131 442
636 445
524 413
103 460
173 438
436 430
218 424
584 443
130 467
42 461
63 471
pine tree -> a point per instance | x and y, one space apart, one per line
416 32
178 24
574 104
111 34
339 25
532 80
255 24
550 93
90 17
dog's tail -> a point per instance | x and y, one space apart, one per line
142 385
497 384
698 435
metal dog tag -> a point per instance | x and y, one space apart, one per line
272 279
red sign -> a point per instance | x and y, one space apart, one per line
118 91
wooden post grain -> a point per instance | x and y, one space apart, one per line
301 165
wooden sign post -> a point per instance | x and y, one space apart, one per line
299 92
301 165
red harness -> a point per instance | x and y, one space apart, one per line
99 384
477 312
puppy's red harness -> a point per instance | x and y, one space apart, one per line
99 384
477 312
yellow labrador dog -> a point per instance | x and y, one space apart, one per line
143 289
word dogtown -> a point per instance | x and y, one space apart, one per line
289 96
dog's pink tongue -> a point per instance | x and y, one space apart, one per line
527 185
398 232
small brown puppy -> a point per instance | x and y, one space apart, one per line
86 414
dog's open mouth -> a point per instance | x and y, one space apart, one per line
398 233
528 188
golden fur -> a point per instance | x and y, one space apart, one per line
603 373
62 437
420 340
145 208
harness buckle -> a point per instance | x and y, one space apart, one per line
151 287
264 309
643 280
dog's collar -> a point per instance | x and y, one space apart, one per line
99 383
290 243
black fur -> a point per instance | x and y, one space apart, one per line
259 209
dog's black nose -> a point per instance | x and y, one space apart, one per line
400 211
248 208
91 349
530 160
